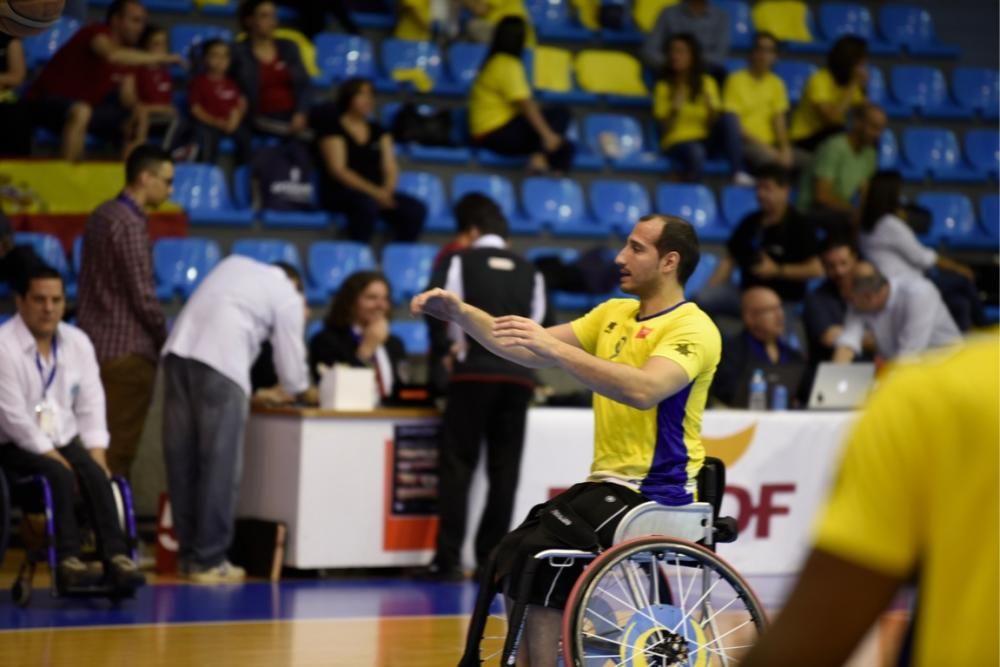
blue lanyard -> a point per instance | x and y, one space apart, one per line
46 383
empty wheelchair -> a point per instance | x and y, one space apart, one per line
660 596
37 529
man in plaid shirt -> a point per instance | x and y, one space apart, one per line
118 307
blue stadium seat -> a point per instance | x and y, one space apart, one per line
561 299
500 190
935 152
39 49
888 152
977 89
375 20
736 64
634 156
737 203
202 191
179 265
187 36
795 74
455 154
313 328
77 257
925 90
702 273
879 94
554 21
330 262
169 6
989 215
740 22
982 150
837 19
558 204
242 196
416 339
340 57
696 204
619 204
268 251
398 54
408 268
427 187
50 250
464 61
953 221
912 28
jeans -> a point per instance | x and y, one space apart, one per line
723 140
204 418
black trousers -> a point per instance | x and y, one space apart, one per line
406 220
94 486
518 137
476 411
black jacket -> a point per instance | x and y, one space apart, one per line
340 346
245 71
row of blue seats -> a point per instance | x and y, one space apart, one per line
559 205
900 27
913 89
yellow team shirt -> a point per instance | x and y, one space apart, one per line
918 493
692 122
499 86
820 89
659 451
414 21
756 102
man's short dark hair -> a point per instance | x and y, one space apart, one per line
869 284
835 241
210 44
764 34
477 211
146 157
247 9
678 236
39 272
117 7
292 273
774 172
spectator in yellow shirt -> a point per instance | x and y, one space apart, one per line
504 118
830 93
687 107
759 99
915 500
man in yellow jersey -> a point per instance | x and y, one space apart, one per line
650 364
916 500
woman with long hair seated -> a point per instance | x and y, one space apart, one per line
687 106
504 118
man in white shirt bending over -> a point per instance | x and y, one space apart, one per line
904 315
206 368
52 423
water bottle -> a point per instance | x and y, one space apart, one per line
779 397
758 391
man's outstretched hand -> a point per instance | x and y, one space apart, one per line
437 303
516 331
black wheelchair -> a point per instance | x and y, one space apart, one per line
659 597
38 532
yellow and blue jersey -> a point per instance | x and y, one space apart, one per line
658 451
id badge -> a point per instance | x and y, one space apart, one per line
46 415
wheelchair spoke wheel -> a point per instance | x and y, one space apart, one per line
660 602
495 633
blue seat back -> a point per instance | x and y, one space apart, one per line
464 61
549 13
426 187
331 262
888 150
497 188
977 87
200 187
919 86
931 148
268 251
737 203
905 24
952 215
707 264
795 74
877 91
187 38
740 22
403 54
181 264
77 254
39 49
242 193
626 128
619 203
416 339
408 268
691 202
340 57
552 200
565 255
49 250
845 18
982 148
989 214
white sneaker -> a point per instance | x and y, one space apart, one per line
743 178
223 573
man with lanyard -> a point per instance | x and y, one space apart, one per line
118 307
52 421
650 364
